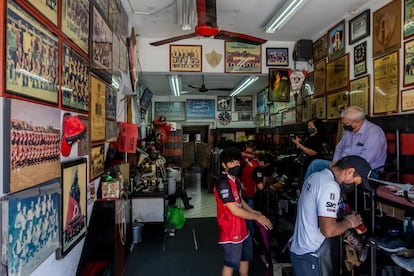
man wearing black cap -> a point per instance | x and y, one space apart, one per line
317 211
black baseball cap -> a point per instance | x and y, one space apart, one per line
361 167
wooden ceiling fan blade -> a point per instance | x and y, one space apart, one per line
173 39
207 13
237 37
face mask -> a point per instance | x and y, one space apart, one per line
347 188
311 130
349 128
235 171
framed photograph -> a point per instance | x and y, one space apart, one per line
173 111
308 87
27 73
242 58
407 99
97 161
243 103
319 78
48 8
75 22
74 197
111 131
75 80
101 46
186 58
336 41
223 103
245 116
359 93
386 79
318 108
320 48
408 27
360 26
279 86
103 7
260 120
110 104
114 16
335 104
261 101
97 110
337 74
289 117
306 109
386 29
200 109
32 227
277 57
360 59
408 63
83 144
26 125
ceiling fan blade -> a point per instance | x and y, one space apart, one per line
193 86
237 37
173 39
207 13
221 89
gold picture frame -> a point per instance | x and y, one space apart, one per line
186 58
320 48
337 74
386 80
335 104
242 58
319 78
359 92
318 108
336 41
407 99
97 109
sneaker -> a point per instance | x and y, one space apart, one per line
189 207
394 245
358 244
406 263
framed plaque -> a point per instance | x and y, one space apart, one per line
318 108
407 99
408 63
336 41
185 58
386 79
360 59
319 78
173 111
335 104
408 18
243 58
359 92
320 48
75 22
97 110
337 74
279 86
359 26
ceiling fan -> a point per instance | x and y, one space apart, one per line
207 27
203 88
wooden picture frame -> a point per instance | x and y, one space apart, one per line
173 111
111 102
24 123
83 144
360 26
277 56
186 58
101 46
335 104
261 101
359 92
319 78
97 109
103 7
360 59
279 85
260 120
306 109
245 116
37 237
407 99
408 63
97 161
200 109
48 9
75 80
336 41
320 48
111 131
386 80
308 87
75 22
318 108
242 58
386 29
289 117
224 103
408 27
26 74
243 103
337 74
74 204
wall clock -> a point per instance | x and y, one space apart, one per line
224 117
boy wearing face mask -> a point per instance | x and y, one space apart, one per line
361 137
232 212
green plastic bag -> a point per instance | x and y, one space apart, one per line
175 215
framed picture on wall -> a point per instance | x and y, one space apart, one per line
319 78
74 197
337 74
359 26
336 41
200 109
173 111
83 144
75 22
97 161
97 112
223 103
318 107
243 103
111 102
242 58
408 26
407 99
408 63
186 58
279 86
48 8
320 48
277 57
359 92
360 59
335 104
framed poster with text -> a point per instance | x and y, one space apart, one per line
337 74
407 99
186 58
359 93
97 109
335 104
243 58
320 48
318 108
75 22
319 78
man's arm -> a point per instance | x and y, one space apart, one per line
245 214
329 227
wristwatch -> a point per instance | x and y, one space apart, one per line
224 117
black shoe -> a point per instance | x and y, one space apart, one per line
189 207
190 198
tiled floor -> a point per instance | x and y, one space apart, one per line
205 206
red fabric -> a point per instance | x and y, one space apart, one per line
248 184
128 136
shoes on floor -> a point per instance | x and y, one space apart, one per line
390 244
189 207
190 198
356 242
406 263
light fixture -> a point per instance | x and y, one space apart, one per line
187 14
243 85
289 8
175 84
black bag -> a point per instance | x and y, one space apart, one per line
301 158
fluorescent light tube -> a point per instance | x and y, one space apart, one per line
243 85
283 15
175 84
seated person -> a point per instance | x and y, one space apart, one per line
180 193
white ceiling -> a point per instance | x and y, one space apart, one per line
158 19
